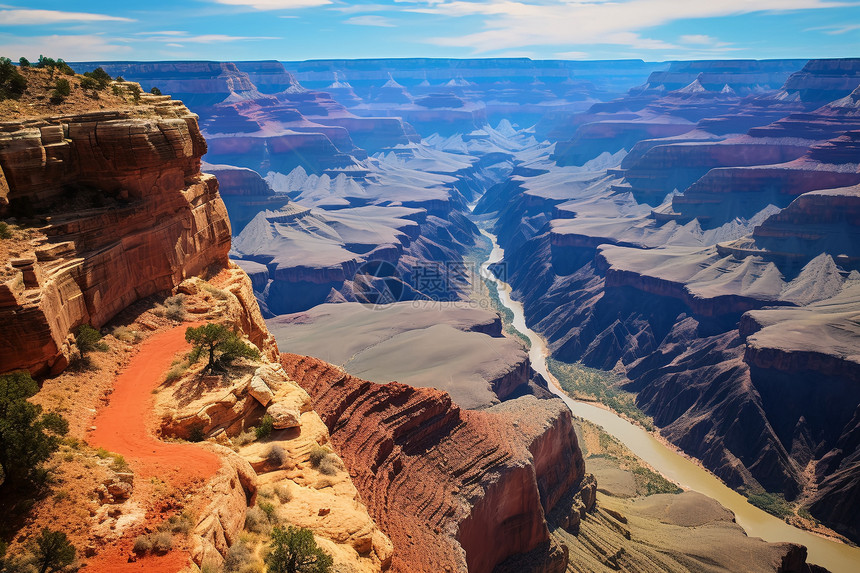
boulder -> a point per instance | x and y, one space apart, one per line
260 390
284 416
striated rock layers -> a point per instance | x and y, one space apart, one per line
455 489
143 218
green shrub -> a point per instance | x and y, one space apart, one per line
175 307
101 77
176 371
653 482
294 550
162 542
135 93
12 83
89 84
64 67
155 91
119 464
62 89
196 433
142 544
269 509
52 550
116 90
256 520
318 454
277 455
88 339
329 465
267 424
216 292
27 437
284 493
5 231
238 557
47 63
178 523
23 62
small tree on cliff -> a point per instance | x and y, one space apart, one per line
12 84
27 437
53 551
294 550
220 344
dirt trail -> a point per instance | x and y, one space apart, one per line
126 426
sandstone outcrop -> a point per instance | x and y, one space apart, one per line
230 493
165 220
485 475
277 467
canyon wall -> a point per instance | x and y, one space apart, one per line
120 211
718 271
488 478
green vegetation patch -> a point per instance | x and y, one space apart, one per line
583 383
773 503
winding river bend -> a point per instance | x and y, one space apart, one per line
837 557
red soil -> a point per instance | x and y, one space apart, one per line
126 426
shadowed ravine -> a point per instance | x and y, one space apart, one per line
836 557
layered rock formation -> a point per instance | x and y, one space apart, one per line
145 219
724 304
455 96
485 476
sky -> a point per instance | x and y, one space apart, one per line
652 30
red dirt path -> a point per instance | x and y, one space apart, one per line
126 426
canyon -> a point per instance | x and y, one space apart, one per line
690 227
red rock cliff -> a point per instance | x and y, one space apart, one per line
124 212
455 489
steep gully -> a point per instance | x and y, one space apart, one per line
836 557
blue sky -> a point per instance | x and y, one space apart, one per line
316 29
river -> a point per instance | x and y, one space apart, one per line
835 556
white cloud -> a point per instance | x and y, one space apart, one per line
185 37
513 23
697 39
706 43
835 30
357 8
162 33
370 20
275 4
26 17
72 48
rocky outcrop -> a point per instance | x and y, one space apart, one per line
147 218
488 478
230 492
